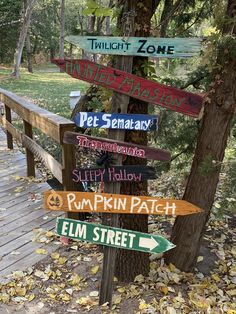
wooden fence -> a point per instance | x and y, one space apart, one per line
49 123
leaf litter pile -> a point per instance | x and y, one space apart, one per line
67 280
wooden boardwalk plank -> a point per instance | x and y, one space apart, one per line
21 212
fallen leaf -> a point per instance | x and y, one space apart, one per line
55 255
94 270
121 289
199 259
94 294
143 305
139 278
41 251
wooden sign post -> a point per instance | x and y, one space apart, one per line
115 237
133 173
119 121
116 204
113 146
133 85
139 46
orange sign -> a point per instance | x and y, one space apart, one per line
116 203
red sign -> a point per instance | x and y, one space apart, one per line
113 146
133 85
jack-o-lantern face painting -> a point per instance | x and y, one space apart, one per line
54 201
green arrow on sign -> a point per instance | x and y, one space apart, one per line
120 238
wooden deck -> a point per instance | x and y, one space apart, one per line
21 212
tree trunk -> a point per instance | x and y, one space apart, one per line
62 31
129 264
21 40
108 21
211 143
165 17
29 53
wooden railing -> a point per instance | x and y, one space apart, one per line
49 123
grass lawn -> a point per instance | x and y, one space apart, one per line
46 87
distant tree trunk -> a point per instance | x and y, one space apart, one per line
211 143
165 17
62 31
132 263
29 53
21 40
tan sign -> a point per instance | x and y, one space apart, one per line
116 203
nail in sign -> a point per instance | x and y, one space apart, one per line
116 121
133 85
113 146
116 203
115 237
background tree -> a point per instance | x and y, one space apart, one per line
220 105
62 30
27 11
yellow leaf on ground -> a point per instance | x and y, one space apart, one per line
94 270
85 301
143 305
31 297
164 289
231 293
55 255
121 289
139 278
116 299
216 277
199 259
20 291
19 189
41 251
4 297
62 260
74 280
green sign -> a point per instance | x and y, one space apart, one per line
119 238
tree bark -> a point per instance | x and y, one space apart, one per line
214 131
29 53
21 40
129 264
62 31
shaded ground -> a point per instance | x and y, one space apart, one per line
68 281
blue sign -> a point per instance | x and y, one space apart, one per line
138 46
116 121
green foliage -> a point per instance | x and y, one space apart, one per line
208 166
10 14
93 8
147 68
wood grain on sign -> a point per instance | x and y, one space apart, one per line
133 85
116 203
134 173
139 46
116 121
113 146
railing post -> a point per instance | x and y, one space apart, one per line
68 164
29 155
8 118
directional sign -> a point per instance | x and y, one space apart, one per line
116 121
116 203
136 173
139 46
133 85
119 238
113 146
